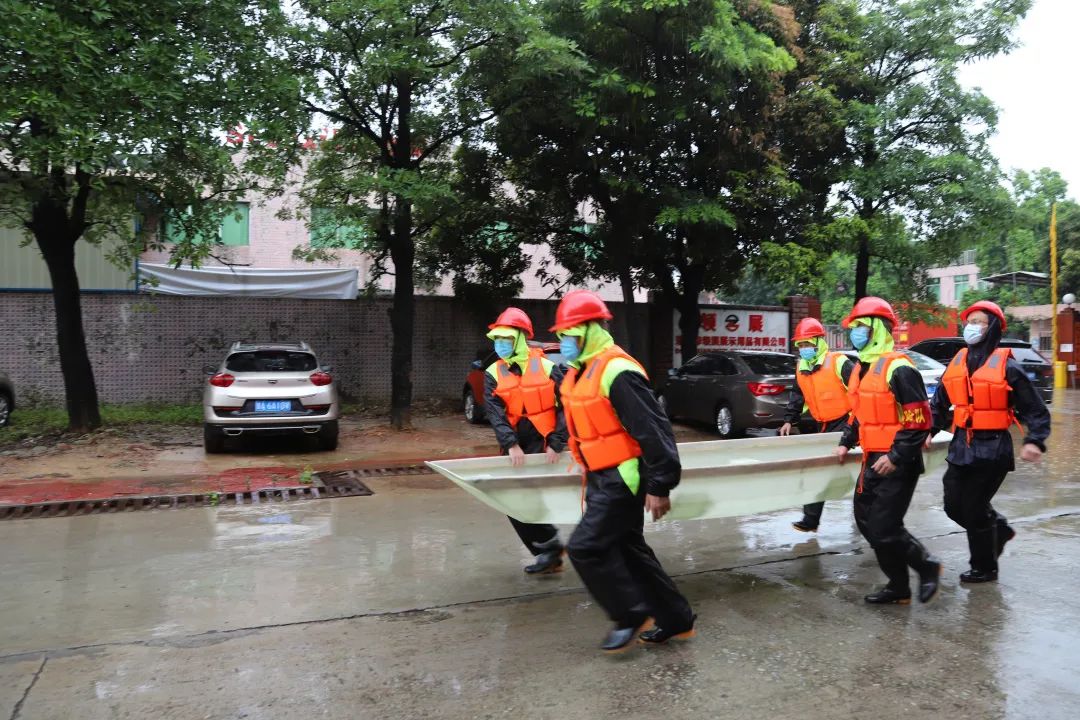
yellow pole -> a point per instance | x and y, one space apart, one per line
1053 283
1061 377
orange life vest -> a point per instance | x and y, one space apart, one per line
598 439
531 394
824 391
875 406
980 401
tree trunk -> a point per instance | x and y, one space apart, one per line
689 323
80 391
862 266
632 326
689 312
402 253
402 319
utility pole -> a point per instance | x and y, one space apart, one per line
1059 382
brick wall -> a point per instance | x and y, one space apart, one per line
802 306
152 348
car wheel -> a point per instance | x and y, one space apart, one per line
328 436
213 440
474 413
725 422
5 410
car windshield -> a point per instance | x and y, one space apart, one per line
769 364
924 363
270 361
1027 355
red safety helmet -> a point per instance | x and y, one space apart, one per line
807 329
871 306
986 306
515 318
577 307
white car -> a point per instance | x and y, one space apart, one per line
269 388
930 369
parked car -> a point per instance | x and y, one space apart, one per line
930 369
7 399
1038 368
473 393
732 390
270 388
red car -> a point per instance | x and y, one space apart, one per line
473 393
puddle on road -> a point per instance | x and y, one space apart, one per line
240 527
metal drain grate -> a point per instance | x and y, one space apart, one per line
347 485
375 472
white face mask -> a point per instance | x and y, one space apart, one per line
974 333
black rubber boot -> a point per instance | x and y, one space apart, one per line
892 563
928 568
805 525
978 576
621 637
1005 533
983 547
929 581
889 596
659 636
550 559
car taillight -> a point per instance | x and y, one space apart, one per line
321 378
765 388
222 380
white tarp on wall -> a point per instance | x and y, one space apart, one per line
332 284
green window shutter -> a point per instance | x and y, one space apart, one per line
321 231
325 231
234 226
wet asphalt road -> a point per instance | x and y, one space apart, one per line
411 603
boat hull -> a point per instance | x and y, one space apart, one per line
720 478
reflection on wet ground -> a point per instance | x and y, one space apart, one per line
411 603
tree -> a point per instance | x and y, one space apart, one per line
115 108
400 78
664 129
921 168
1022 240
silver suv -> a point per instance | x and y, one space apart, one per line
269 388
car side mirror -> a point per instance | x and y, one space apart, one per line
327 368
209 369
477 365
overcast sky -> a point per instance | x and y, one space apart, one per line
1037 92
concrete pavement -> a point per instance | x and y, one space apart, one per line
411 603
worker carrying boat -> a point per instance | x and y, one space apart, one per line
988 391
624 442
891 422
520 390
822 389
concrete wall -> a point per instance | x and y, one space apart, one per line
152 348
948 276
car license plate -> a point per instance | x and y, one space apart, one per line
930 390
273 406
1031 375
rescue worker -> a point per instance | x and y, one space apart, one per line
891 423
822 388
987 390
625 444
520 392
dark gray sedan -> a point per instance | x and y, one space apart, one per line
731 390
7 399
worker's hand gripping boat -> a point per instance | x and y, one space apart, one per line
721 478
